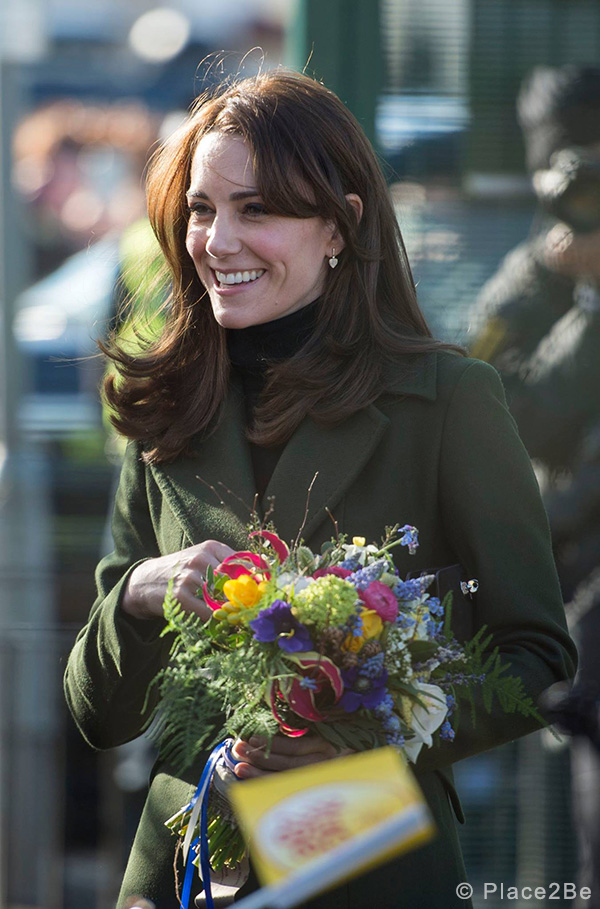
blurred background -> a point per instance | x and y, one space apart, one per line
86 90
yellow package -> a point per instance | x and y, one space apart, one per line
335 819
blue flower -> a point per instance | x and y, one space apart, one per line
362 691
373 667
433 628
410 538
406 621
308 683
435 607
355 625
363 576
386 707
447 733
351 564
277 623
413 588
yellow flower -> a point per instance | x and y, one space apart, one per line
372 627
372 624
359 541
244 591
242 594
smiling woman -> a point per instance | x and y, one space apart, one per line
294 345
256 266
272 176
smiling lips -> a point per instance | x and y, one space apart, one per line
238 277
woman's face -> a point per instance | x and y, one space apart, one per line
256 266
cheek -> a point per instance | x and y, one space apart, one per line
194 243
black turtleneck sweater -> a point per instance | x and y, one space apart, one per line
251 351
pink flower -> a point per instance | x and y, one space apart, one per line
313 691
380 599
210 600
279 547
335 569
243 563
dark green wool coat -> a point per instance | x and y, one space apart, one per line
442 453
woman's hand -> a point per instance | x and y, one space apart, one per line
286 754
147 585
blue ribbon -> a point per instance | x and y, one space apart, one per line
222 750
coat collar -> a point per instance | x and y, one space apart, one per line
419 379
220 472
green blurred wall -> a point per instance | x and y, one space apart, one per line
509 38
338 42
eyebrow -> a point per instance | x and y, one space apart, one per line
234 197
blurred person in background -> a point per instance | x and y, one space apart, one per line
293 342
540 327
78 166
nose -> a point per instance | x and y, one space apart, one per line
222 238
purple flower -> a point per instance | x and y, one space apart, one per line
362 691
277 623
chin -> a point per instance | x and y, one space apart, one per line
230 319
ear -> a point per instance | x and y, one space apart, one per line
357 204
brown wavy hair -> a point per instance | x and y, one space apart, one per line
308 151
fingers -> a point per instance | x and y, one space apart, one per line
191 576
257 763
210 552
285 754
245 771
147 585
294 746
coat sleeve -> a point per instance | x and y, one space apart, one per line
492 512
115 657
516 308
559 395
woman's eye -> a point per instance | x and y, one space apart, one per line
255 208
199 208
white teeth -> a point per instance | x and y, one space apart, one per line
239 277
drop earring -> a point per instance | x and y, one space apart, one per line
333 260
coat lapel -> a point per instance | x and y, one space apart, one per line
222 461
336 454
219 474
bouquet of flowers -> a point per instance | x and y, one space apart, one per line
333 642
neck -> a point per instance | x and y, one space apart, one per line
257 346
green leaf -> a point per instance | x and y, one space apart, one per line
421 651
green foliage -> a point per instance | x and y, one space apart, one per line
213 687
422 650
447 607
484 669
